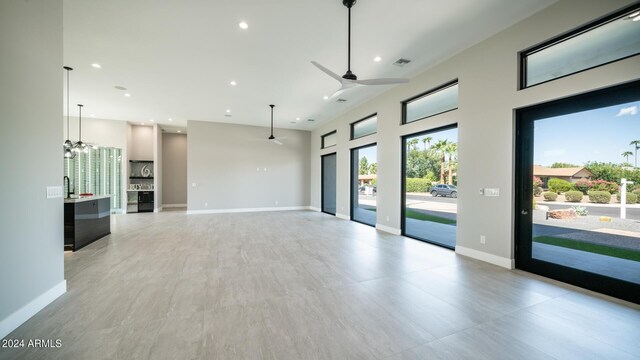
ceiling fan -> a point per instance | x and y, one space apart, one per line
349 79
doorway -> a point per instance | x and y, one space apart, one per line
328 183
364 184
575 162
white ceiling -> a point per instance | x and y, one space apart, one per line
177 57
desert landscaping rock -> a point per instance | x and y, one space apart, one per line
563 214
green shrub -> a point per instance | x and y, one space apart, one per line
603 185
559 186
599 197
418 185
637 192
573 196
631 198
537 191
550 196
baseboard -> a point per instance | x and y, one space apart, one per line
242 210
313 208
388 229
343 216
19 317
486 257
170 206
158 209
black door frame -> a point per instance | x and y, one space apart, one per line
523 173
322 157
353 173
403 181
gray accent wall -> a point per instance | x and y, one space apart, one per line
31 158
488 78
142 142
174 169
235 167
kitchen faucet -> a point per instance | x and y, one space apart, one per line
69 192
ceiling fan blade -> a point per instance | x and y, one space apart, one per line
389 81
327 71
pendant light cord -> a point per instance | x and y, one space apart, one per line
272 119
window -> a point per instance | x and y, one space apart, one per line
364 127
330 139
437 101
606 40
364 184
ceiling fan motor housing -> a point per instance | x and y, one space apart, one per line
349 3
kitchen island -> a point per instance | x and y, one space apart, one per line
86 219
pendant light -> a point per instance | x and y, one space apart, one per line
80 146
68 145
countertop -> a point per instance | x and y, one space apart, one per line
86 198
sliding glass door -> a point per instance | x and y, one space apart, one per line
364 184
328 164
577 188
429 179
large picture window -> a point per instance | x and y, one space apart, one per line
612 38
436 101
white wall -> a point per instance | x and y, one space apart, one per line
174 169
157 167
142 143
31 98
487 74
227 162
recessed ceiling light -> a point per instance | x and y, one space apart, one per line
170 119
179 130
325 97
243 25
297 119
151 120
93 115
232 83
127 95
97 66
228 110
377 59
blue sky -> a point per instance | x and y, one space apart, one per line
596 135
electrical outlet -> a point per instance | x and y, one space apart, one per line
54 192
483 239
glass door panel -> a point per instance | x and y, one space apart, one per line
578 185
329 184
364 184
430 193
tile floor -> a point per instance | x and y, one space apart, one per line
306 285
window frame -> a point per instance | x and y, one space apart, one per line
594 24
352 125
322 137
403 119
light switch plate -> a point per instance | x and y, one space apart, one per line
491 192
54 192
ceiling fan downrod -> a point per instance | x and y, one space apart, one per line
271 137
349 75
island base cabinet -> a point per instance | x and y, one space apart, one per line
86 222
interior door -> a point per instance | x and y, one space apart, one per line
572 226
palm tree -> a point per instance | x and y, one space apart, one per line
411 144
441 146
427 141
451 149
636 143
626 155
